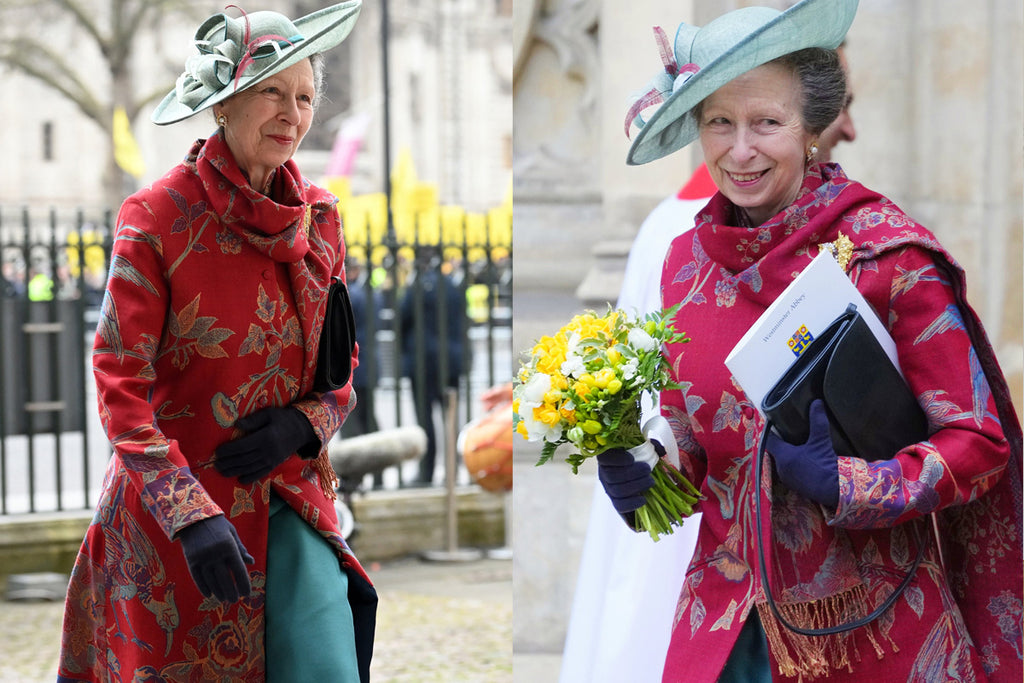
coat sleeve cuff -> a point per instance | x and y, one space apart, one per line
177 500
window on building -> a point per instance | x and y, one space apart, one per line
415 98
47 140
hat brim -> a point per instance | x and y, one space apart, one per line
321 31
811 23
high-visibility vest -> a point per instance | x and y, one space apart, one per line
40 288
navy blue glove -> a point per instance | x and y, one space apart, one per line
216 558
810 469
272 434
624 479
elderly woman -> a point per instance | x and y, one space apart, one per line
757 87
215 552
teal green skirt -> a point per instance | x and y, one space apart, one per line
748 662
309 632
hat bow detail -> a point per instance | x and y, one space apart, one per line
224 54
664 84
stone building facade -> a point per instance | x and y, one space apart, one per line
450 66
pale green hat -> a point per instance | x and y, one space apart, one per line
701 60
235 54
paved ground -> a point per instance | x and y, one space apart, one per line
536 668
443 622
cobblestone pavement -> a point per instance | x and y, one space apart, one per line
444 622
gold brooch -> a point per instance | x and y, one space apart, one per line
841 250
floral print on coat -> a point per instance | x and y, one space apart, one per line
213 310
960 617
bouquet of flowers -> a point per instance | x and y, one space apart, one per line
583 386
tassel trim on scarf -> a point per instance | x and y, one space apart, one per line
325 473
813 657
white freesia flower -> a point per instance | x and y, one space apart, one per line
535 388
639 339
531 395
535 429
572 344
629 368
573 366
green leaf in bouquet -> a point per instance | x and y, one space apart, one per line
625 350
546 452
576 459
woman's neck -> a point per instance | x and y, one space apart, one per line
261 181
743 218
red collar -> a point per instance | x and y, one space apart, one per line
699 186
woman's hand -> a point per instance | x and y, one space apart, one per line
216 558
624 478
810 469
272 434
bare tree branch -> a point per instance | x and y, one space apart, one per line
153 96
116 44
40 62
84 18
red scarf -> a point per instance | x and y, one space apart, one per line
282 225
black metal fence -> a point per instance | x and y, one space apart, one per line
52 448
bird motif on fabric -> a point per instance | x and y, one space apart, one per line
138 570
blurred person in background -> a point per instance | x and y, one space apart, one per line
366 305
433 323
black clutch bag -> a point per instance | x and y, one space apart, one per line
337 340
872 414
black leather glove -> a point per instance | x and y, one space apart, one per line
216 558
272 434
624 479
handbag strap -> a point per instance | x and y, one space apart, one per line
832 630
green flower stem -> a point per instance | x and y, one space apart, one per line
666 505
643 521
682 480
659 507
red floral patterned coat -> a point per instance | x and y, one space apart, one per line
956 621
213 310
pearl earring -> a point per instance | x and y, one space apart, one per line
222 120
811 152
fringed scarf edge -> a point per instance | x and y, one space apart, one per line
814 657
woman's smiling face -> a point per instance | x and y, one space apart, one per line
266 123
754 141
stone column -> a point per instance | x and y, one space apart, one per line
629 60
